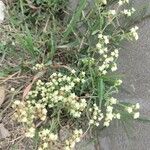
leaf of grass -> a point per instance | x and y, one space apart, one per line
52 45
143 119
100 90
75 18
127 127
27 43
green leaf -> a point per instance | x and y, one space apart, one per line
144 120
53 45
100 90
75 18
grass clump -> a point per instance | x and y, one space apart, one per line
73 66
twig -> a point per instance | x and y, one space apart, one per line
9 77
30 4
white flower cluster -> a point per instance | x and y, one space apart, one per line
121 2
133 32
47 138
104 1
118 82
134 110
39 67
88 60
76 108
112 12
104 38
59 90
96 115
24 112
108 58
30 132
76 137
109 112
128 12
40 111
55 93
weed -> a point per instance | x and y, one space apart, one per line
72 63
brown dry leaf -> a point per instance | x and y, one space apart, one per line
2 95
28 88
3 132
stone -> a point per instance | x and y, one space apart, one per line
134 65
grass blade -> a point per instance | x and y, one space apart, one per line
75 18
100 90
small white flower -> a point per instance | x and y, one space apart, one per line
113 53
109 116
17 102
98 45
133 10
127 1
94 117
137 106
101 117
127 12
53 137
106 124
120 2
31 132
130 110
77 80
12 89
80 131
43 118
111 59
112 12
118 116
134 32
45 145
72 145
105 56
136 36
100 36
101 68
109 109
90 109
97 124
83 80
73 71
78 139
104 2
113 101
116 51
59 75
24 120
104 72
83 73
114 67
101 51
118 82
136 115
106 39
91 122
